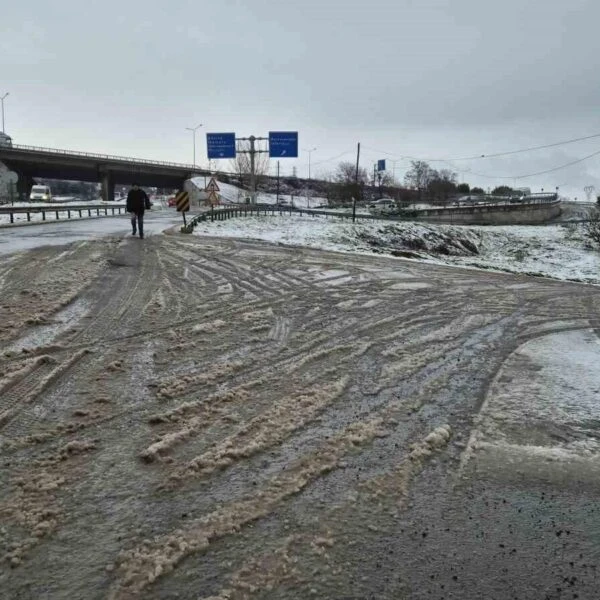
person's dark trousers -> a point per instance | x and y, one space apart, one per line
137 223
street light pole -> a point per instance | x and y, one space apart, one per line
2 101
310 151
193 130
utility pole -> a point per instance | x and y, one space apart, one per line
356 191
193 130
252 169
2 101
252 152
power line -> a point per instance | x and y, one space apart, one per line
495 154
533 148
569 164
468 170
322 162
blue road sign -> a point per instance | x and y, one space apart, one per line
283 144
220 145
381 165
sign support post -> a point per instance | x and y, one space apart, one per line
182 202
277 182
252 152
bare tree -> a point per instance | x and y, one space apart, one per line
448 176
592 226
346 173
343 183
442 184
241 166
384 179
419 176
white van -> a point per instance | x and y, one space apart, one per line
41 192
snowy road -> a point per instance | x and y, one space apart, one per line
191 417
26 237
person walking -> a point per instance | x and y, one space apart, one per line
137 203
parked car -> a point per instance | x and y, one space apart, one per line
383 204
171 201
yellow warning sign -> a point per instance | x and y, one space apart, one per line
182 201
213 198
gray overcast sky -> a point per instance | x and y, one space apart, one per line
424 78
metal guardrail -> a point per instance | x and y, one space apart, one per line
79 209
111 157
245 210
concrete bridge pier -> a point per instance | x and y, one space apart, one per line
108 187
24 185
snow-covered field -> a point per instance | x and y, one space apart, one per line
551 251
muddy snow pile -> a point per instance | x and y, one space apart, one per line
399 239
422 241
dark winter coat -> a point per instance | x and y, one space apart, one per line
137 201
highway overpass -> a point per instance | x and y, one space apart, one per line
30 162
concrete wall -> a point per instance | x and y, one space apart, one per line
513 214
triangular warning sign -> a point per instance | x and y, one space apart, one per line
213 198
212 186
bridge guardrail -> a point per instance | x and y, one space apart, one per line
99 210
126 159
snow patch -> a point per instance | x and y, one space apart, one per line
550 251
